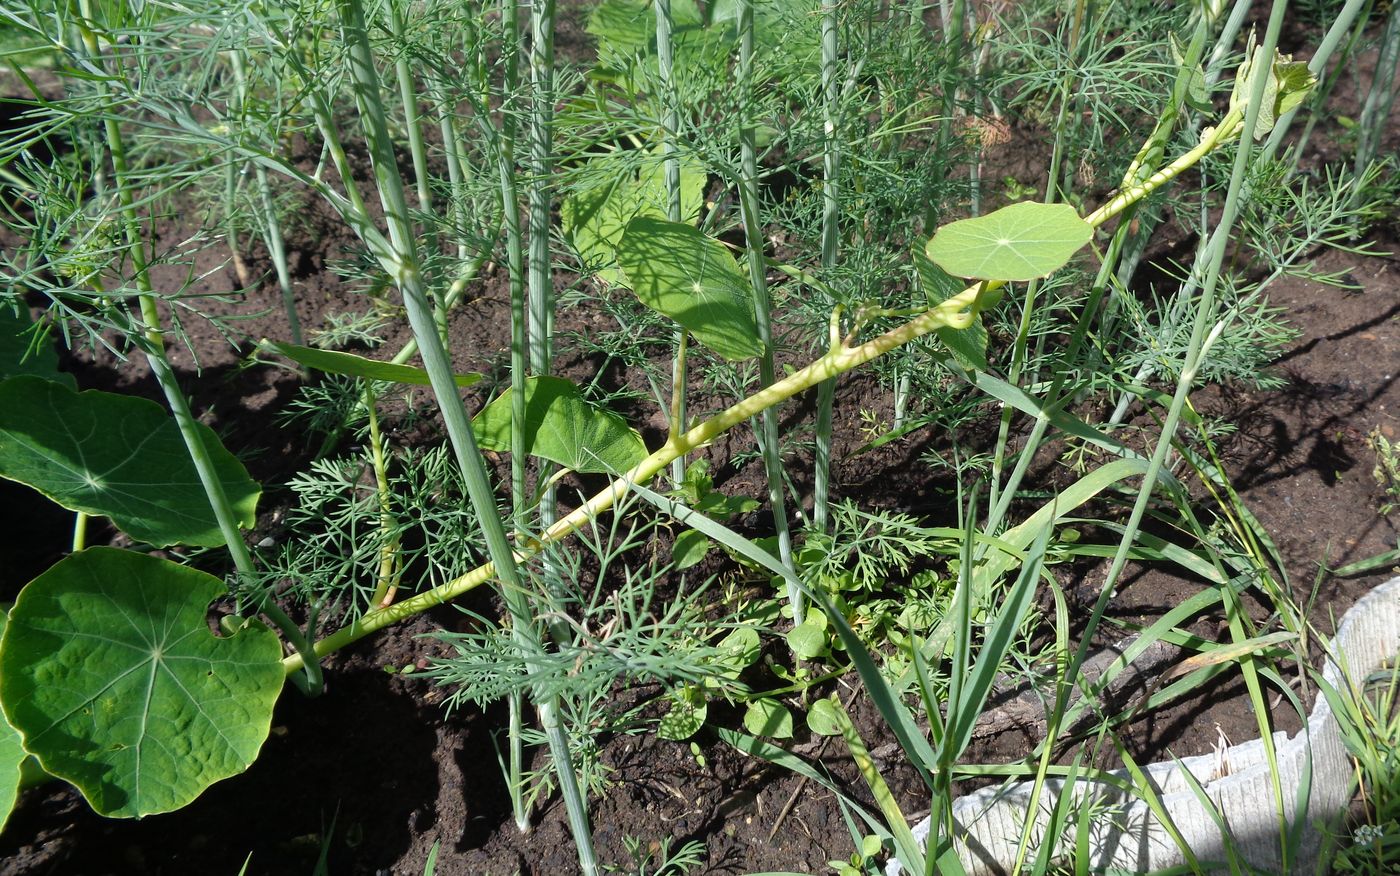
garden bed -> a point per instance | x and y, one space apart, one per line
376 776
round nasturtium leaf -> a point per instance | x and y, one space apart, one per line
1020 242
118 456
561 426
595 216
11 757
824 718
110 672
677 270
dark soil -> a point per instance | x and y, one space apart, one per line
376 773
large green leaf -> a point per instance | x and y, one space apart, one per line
22 353
677 270
626 34
334 362
109 670
12 755
595 216
1020 242
118 456
561 426
969 345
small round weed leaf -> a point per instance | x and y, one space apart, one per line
118 456
690 548
686 715
870 846
1020 242
740 648
768 718
807 640
11 756
22 353
109 670
335 362
561 426
678 271
824 718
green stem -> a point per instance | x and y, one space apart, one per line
387 581
436 362
831 221
671 168
271 225
80 521
519 362
769 442
147 333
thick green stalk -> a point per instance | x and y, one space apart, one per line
1379 98
768 441
541 166
149 336
519 361
831 231
272 226
409 279
671 171
417 150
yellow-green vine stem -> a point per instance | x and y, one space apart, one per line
767 430
387 582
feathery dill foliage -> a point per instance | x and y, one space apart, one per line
621 629
329 553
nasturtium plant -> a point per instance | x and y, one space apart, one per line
626 35
689 704
109 670
808 640
968 345
22 352
1288 83
677 270
690 548
12 756
336 362
118 456
1019 242
563 427
824 718
697 490
595 216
